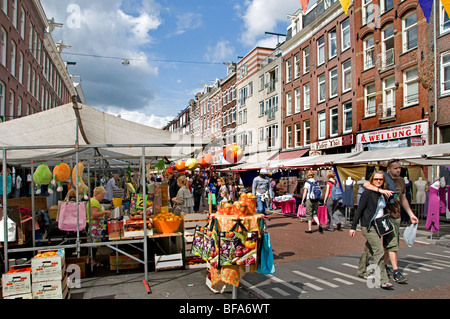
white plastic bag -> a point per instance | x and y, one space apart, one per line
409 235
11 230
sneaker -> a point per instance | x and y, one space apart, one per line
320 229
339 226
387 285
308 231
398 277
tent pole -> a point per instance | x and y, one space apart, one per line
5 211
144 192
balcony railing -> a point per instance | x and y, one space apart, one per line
385 59
386 110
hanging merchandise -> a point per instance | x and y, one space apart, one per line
42 177
11 230
68 216
61 173
266 263
77 180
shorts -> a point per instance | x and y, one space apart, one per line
391 241
311 209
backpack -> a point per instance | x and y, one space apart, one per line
315 193
336 192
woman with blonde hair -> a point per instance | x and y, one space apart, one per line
311 206
97 220
184 201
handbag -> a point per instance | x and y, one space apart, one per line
266 263
68 216
383 225
301 211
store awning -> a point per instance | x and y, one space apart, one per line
407 154
287 155
319 160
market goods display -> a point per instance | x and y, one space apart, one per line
167 222
246 206
42 177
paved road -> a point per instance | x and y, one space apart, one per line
324 266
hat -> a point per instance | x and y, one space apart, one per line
263 171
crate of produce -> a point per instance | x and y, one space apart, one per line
48 265
52 289
17 281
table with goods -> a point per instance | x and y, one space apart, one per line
159 221
230 243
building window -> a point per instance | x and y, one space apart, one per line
445 74
298 130
334 121
288 71
409 24
321 88
410 87
320 51
333 82
369 100
386 5
13 58
22 23
388 106
387 48
367 11
445 20
307 132
321 126
297 100
20 67
346 76
297 65
261 82
271 135
3 39
12 96
261 108
288 136
2 99
306 60
347 117
369 52
345 34
306 96
332 44
19 107
288 104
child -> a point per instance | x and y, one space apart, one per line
225 197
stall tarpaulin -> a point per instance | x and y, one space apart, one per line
51 134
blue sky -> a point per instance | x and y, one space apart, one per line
173 47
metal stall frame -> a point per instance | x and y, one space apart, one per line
111 244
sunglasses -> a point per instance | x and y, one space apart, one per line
392 161
378 179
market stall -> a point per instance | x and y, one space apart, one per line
75 132
231 243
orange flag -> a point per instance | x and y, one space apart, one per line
446 4
304 4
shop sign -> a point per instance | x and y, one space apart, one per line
395 133
333 142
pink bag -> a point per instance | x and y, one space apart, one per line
322 215
68 216
301 211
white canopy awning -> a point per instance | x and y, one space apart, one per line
52 134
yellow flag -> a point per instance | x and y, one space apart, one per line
446 4
346 3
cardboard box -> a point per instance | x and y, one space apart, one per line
17 281
52 289
135 228
22 296
48 268
80 262
124 262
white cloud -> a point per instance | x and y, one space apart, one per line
263 15
187 21
221 52
141 118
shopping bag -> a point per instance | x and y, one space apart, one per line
266 263
197 242
301 211
383 225
409 235
68 216
237 247
210 243
322 215
11 230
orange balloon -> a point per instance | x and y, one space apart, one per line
180 166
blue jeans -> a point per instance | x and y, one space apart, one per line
261 205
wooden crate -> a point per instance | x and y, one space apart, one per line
168 261
190 221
